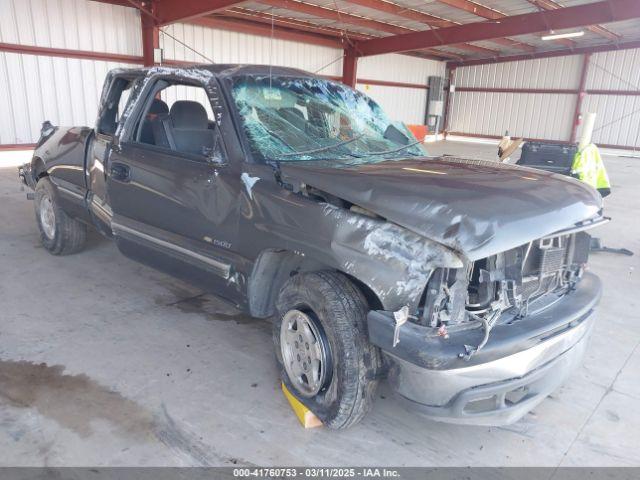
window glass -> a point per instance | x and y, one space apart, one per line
307 119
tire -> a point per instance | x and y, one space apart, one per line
59 233
335 310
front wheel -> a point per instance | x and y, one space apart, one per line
323 349
59 233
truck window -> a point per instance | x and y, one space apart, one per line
180 118
111 111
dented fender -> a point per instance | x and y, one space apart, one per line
393 262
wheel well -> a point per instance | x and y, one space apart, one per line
274 267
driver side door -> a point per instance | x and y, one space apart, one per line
174 193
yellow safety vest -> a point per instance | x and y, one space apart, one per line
589 168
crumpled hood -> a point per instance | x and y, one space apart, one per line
478 208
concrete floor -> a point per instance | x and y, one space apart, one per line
106 362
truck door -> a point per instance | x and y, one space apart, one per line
173 191
115 95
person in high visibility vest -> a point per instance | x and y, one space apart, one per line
589 168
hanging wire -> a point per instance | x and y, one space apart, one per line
330 63
618 77
631 84
186 46
271 49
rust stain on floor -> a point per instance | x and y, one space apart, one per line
73 401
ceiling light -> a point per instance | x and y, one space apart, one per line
556 36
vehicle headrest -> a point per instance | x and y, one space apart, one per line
188 114
158 107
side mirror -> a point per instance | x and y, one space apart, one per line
396 135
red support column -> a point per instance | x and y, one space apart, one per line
150 37
581 94
349 67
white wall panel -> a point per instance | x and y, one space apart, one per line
619 70
556 72
71 24
224 46
66 91
399 68
617 119
401 104
534 115
37 88
544 116
221 46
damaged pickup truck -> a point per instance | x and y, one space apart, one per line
463 282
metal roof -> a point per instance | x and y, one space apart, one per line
360 20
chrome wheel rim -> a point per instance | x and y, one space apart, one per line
305 354
47 217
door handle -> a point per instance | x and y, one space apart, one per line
120 172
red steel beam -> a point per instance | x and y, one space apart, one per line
607 47
281 21
150 37
349 67
597 29
10 147
261 29
569 17
624 93
171 11
563 91
267 18
581 94
491 14
341 17
517 90
66 53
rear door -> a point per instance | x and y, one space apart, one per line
115 98
174 200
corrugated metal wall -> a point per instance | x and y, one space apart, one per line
618 116
71 24
406 104
536 115
403 104
550 115
38 87
63 90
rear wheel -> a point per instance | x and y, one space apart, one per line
323 348
59 233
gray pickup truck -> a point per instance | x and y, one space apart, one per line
462 282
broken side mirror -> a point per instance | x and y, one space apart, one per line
396 135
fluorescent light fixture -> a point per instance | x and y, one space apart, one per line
556 36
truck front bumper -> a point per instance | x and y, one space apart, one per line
521 364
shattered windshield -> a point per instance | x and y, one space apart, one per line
292 119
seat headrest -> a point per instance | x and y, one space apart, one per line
158 107
188 114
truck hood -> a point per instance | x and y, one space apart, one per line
478 208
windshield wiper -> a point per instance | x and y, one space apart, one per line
392 150
324 149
